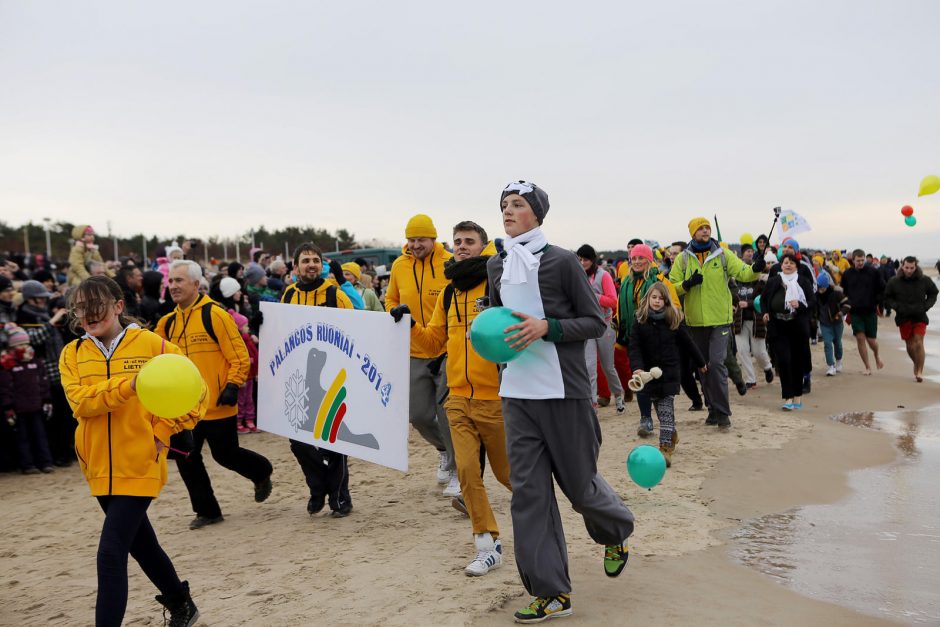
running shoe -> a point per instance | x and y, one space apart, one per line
615 558
543 608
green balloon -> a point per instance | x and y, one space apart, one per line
646 466
910 220
757 304
487 334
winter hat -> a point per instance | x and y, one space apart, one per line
5 284
420 225
696 223
253 274
642 250
822 281
240 320
16 336
35 289
173 248
79 230
354 268
533 194
587 252
789 241
42 275
228 286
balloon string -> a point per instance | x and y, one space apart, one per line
176 450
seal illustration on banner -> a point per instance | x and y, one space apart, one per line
311 407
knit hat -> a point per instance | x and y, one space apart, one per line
587 252
16 336
354 268
789 241
533 194
696 223
420 225
35 289
240 320
822 281
79 230
253 274
228 286
642 250
173 248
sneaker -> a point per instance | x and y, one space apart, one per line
787 407
183 612
723 422
752 385
487 559
251 426
620 406
453 487
542 608
615 558
831 372
444 474
796 406
645 429
769 375
342 512
315 505
263 490
838 365
459 504
201 521
742 388
242 429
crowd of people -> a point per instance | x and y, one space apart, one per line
687 317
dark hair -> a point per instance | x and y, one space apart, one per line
911 259
791 257
681 245
634 241
306 247
153 281
858 252
468 225
746 247
587 252
255 257
98 293
123 273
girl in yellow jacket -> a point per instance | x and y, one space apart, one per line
121 447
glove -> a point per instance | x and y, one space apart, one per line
401 310
759 264
692 281
259 318
47 409
336 269
229 395
10 416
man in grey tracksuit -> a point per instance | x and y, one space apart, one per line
551 427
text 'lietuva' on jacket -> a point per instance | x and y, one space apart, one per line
418 283
318 293
218 351
115 436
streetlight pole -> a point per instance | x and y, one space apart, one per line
45 222
26 237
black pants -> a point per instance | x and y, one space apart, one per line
32 441
326 472
791 352
127 530
61 428
222 436
687 378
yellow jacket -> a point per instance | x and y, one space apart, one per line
418 283
79 258
468 374
220 361
314 294
114 439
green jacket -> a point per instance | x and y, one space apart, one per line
709 303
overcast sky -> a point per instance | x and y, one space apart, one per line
211 117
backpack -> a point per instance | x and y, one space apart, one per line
686 254
206 322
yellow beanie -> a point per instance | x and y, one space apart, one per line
420 226
353 267
696 223
78 231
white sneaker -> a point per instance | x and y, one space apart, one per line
453 487
443 473
489 555
838 365
831 372
620 406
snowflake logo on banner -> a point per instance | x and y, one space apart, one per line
295 399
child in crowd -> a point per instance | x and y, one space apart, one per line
657 339
246 402
831 306
26 400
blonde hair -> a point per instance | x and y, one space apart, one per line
672 315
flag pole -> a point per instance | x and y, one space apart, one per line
717 228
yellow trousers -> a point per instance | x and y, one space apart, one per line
472 423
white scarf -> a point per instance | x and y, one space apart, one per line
520 255
794 291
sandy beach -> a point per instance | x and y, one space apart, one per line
399 558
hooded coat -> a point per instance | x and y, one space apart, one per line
418 283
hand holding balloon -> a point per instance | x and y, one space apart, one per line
529 330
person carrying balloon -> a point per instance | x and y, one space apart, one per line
473 405
121 446
657 340
552 431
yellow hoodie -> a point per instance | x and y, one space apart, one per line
418 283
220 361
468 374
114 439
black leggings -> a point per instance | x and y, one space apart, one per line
127 530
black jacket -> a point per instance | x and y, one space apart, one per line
863 288
774 286
911 298
654 344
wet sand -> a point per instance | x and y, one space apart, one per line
399 558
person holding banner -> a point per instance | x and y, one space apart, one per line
326 472
417 280
121 446
552 430
473 405
208 336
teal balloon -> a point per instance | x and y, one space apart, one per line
487 334
757 304
646 466
910 220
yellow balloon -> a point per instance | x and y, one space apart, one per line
169 385
747 238
930 185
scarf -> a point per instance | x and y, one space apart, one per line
700 247
466 274
657 315
794 291
41 314
520 257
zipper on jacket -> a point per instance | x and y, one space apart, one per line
420 287
107 363
466 341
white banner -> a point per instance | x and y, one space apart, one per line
337 379
792 223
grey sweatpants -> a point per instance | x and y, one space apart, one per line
713 344
603 347
426 409
557 438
